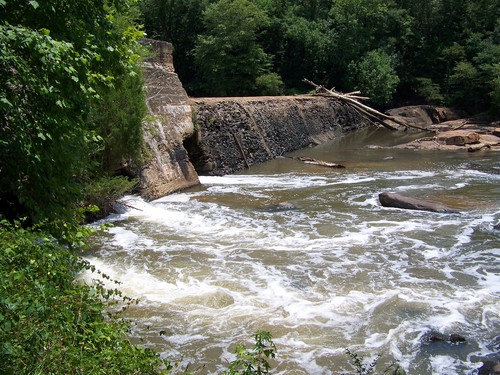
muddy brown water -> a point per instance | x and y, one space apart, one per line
214 264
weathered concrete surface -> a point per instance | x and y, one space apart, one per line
234 133
168 168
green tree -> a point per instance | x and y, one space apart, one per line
228 57
453 52
43 140
358 27
178 22
375 76
305 50
58 59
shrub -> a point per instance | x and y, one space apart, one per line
50 324
253 361
103 194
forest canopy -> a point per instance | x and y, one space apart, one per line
396 51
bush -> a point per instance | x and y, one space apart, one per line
103 193
254 361
49 324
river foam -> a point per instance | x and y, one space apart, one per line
214 264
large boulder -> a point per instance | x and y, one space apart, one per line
399 201
426 115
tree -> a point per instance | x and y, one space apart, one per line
178 22
43 141
375 76
305 50
358 27
229 58
58 59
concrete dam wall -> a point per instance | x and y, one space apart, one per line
234 133
215 136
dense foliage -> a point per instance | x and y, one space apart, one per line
433 51
71 107
51 325
68 74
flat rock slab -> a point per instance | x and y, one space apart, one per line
399 201
458 137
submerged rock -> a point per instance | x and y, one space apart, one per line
399 201
283 206
434 337
489 368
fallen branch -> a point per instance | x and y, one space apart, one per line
242 151
364 109
464 122
319 162
477 147
127 205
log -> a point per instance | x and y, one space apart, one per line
319 162
366 110
399 201
242 151
477 147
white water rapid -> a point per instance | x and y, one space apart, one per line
214 264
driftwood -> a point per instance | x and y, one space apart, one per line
477 147
242 151
372 114
127 205
319 162
399 201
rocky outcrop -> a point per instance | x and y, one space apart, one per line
167 168
234 133
425 115
454 131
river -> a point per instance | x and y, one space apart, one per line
216 263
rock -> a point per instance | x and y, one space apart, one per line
489 368
489 139
434 337
399 201
283 206
458 137
496 132
497 225
426 115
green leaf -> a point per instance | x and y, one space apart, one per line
6 101
34 3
